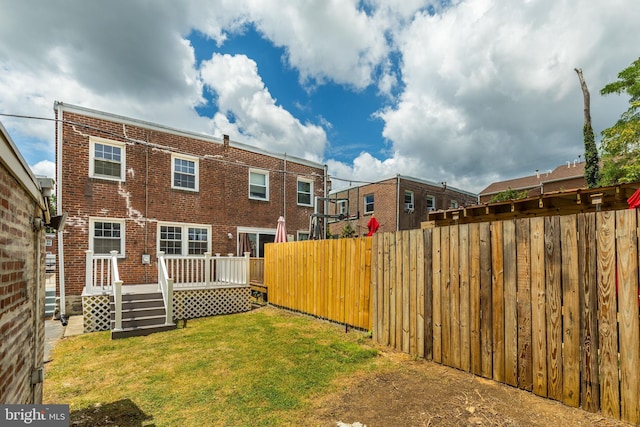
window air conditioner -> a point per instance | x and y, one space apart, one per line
408 207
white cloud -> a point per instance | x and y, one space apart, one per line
490 88
44 168
257 119
485 90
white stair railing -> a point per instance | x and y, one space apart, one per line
117 290
165 283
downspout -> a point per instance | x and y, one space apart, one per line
284 189
63 304
398 203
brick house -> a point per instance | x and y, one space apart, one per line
568 177
398 203
140 188
23 215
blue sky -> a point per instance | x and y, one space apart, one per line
467 92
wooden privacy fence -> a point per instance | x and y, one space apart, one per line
330 279
546 304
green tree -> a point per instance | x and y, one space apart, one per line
509 194
621 142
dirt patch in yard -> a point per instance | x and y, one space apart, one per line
420 393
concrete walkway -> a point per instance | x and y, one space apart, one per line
54 332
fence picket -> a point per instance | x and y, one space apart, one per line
428 293
627 252
525 371
497 297
437 295
538 308
510 304
571 312
553 285
465 333
589 382
486 316
474 296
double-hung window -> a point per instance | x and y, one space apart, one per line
258 184
305 192
184 172
368 204
184 239
106 235
107 159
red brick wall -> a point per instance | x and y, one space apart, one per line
21 339
387 199
147 197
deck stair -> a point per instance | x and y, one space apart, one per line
142 314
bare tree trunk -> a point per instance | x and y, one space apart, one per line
586 96
592 166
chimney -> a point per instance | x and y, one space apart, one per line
225 141
537 173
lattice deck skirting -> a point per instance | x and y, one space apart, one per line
187 304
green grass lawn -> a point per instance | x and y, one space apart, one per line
263 367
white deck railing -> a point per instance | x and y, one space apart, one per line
207 271
194 272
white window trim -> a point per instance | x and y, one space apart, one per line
185 236
123 160
364 203
302 232
434 202
196 171
412 196
341 207
266 183
123 232
310 182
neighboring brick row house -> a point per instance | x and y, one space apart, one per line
139 188
23 215
568 177
398 203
